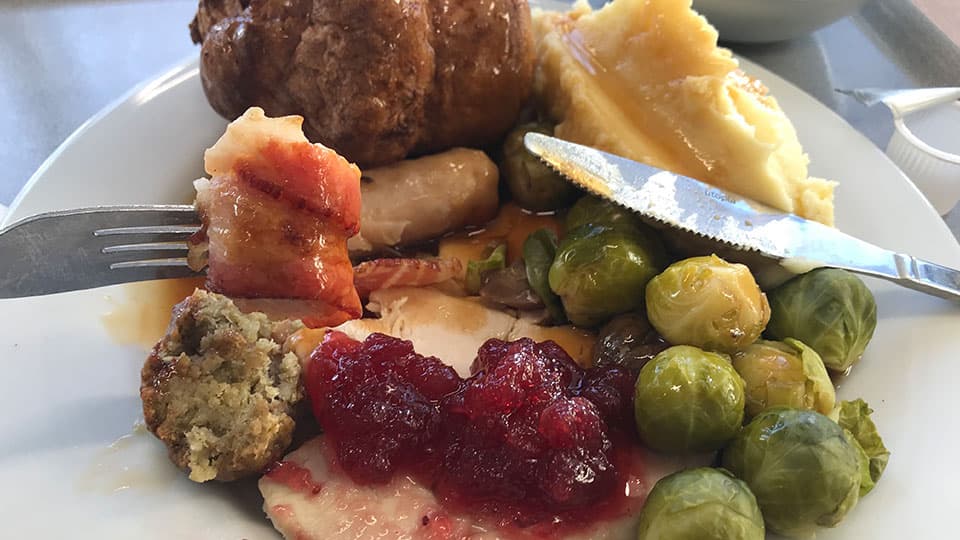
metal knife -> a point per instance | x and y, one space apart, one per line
799 245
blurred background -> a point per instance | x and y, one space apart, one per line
62 61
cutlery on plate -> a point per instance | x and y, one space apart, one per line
92 247
931 162
689 205
904 101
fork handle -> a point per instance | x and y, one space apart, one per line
61 251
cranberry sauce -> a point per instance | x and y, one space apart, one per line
530 438
295 477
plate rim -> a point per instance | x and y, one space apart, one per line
188 64
178 69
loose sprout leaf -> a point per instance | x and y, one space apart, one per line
538 252
475 269
854 416
866 481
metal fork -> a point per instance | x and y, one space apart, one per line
92 247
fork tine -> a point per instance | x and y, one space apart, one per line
76 249
153 229
129 274
146 246
150 263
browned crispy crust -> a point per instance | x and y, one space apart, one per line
220 381
375 80
484 72
209 12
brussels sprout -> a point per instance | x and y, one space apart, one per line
600 272
700 504
854 416
627 340
534 186
784 374
688 400
590 210
539 250
801 467
475 269
709 303
828 309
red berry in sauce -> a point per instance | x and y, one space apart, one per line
527 439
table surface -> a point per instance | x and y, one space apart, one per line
64 60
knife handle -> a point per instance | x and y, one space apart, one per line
926 277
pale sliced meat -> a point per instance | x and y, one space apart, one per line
451 328
312 498
448 327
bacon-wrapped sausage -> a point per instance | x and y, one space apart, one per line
277 213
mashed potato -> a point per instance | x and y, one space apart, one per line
646 80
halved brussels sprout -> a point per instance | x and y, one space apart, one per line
828 309
600 272
709 303
700 504
628 340
801 467
534 186
539 250
688 400
854 416
784 374
590 210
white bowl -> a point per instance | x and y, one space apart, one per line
758 21
926 147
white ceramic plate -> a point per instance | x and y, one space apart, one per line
70 391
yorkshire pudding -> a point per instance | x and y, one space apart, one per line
376 80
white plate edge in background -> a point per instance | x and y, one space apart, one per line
191 504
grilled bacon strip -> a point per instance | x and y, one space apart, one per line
277 213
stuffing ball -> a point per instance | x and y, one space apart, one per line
219 390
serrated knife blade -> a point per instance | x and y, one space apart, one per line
695 207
